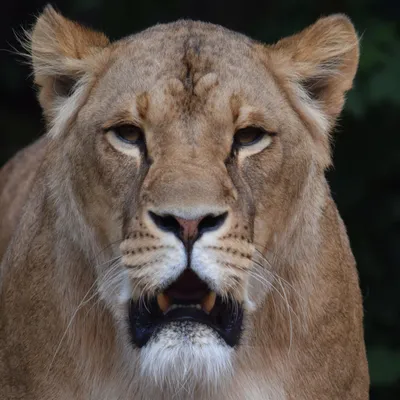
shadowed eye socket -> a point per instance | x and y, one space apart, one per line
131 134
249 136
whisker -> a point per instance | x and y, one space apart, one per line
138 283
107 247
290 317
269 284
142 299
277 275
81 304
106 287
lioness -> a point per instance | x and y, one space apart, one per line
173 235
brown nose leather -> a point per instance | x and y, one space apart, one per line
189 228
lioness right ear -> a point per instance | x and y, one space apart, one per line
62 52
317 67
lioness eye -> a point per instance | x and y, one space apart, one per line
129 134
248 136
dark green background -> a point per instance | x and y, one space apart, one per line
366 178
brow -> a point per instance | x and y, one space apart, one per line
121 118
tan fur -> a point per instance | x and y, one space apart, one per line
78 199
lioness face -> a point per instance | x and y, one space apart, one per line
185 140
191 138
189 141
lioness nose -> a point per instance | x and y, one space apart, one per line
188 230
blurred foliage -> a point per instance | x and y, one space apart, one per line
366 179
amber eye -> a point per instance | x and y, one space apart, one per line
129 134
248 136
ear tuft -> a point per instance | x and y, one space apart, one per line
61 52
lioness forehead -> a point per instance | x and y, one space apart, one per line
188 67
185 50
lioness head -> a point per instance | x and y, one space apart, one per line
192 161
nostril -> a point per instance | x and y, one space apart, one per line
167 223
211 222
188 230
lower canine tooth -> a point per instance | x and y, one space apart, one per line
209 302
163 302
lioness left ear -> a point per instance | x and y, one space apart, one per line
62 52
317 66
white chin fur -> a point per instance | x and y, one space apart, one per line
186 358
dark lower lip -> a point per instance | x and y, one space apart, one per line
225 318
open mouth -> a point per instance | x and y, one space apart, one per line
188 299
